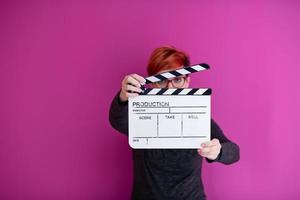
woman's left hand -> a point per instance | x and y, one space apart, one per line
210 149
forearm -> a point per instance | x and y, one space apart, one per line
229 152
118 115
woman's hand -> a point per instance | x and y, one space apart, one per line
210 149
131 86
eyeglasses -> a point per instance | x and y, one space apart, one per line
177 82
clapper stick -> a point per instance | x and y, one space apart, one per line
174 73
177 91
177 72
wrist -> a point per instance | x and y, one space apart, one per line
122 98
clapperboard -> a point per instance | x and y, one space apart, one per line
162 118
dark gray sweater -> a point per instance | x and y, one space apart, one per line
169 173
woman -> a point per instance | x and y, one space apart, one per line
168 173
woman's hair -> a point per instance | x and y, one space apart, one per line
166 57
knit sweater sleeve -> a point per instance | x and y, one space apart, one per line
230 152
118 115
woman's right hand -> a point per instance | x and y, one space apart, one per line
131 86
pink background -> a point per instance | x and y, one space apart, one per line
61 63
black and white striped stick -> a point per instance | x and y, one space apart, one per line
176 73
176 91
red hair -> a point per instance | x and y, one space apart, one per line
166 57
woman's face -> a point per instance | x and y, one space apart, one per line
177 82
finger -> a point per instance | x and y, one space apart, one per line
209 154
131 88
132 94
212 148
213 142
139 78
130 80
133 81
204 154
205 149
205 144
